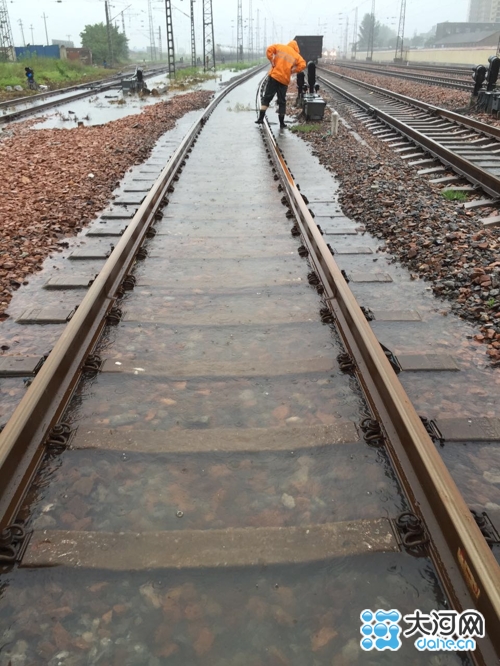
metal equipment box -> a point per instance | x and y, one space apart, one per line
132 85
310 46
314 107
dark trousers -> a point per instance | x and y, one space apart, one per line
273 88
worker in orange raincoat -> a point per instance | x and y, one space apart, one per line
285 61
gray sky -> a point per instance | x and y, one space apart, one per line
283 18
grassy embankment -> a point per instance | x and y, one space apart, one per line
50 72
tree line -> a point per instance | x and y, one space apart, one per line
386 37
95 38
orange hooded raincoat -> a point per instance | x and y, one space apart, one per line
285 61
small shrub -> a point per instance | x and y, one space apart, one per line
303 128
454 195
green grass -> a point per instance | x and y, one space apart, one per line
453 195
490 302
304 128
184 78
48 71
238 66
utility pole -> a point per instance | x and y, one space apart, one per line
354 48
346 37
123 22
257 36
401 33
208 37
250 31
371 35
46 33
193 38
239 32
151 32
32 34
159 43
170 40
108 32
6 39
22 31
265 32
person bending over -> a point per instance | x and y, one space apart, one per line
285 61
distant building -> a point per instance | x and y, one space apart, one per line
63 42
465 35
83 55
484 10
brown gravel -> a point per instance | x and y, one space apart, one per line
47 190
436 239
446 98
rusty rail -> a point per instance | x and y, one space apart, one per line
468 570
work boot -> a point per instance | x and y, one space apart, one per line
282 122
260 119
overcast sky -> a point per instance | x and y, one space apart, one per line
283 18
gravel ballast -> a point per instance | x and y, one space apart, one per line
56 180
435 238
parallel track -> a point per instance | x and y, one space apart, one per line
466 86
455 70
84 90
469 147
450 538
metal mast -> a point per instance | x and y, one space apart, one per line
22 31
265 33
354 47
108 34
152 40
170 40
257 36
346 37
208 37
239 33
6 39
401 33
371 35
159 43
250 31
193 40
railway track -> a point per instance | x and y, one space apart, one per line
443 82
455 70
177 454
464 145
37 103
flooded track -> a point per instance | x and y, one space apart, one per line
217 502
17 109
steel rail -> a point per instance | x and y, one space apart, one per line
430 80
22 440
486 180
21 113
468 570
